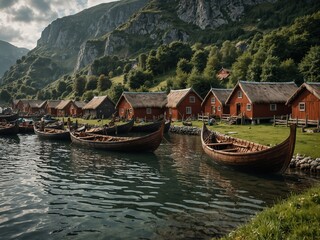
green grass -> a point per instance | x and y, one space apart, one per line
306 143
298 217
117 79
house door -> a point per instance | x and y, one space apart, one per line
238 108
213 110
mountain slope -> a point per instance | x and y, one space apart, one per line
9 55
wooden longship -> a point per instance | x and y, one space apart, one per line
113 130
147 143
9 128
248 156
51 133
148 127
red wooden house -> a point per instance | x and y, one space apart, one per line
50 107
305 102
183 104
260 100
144 105
214 102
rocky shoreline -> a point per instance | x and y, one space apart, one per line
299 162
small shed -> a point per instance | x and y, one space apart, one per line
143 105
183 104
223 74
63 108
99 107
77 108
50 107
214 102
260 100
305 102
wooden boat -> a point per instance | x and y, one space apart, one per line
248 156
9 117
147 143
9 128
147 127
52 133
26 128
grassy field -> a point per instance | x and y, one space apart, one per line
298 217
306 143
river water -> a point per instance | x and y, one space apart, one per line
56 190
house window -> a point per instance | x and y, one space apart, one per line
121 111
170 111
148 111
130 110
302 106
188 110
192 99
213 109
248 107
239 94
213 100
273 107
219 108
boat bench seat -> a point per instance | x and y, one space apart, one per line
219 144
229 150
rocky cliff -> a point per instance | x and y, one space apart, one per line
9 55
213 13
162 22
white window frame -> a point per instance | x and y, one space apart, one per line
148 110
213 100
248 107
239 94
300 106
273 107
192 99
121 111
188 110
219 108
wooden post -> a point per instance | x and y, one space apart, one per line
287 120
274 120
306 123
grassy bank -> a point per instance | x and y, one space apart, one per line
306 143
298 217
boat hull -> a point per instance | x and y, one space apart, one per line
149 127
270 160
148 143
12 129
56 135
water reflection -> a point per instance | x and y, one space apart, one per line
59 190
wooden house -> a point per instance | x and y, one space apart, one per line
77 108
64 108
223 74
29 106
183 104
260 100
142 105
51 107
305 102
214 102
99 107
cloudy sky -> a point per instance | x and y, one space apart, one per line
22 21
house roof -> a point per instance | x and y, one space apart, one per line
63 104
176 96
53 103
145 99
223 73
313 87
80 104
35 103
220 93
96 101
15 101
266 92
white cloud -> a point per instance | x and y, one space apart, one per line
22 21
